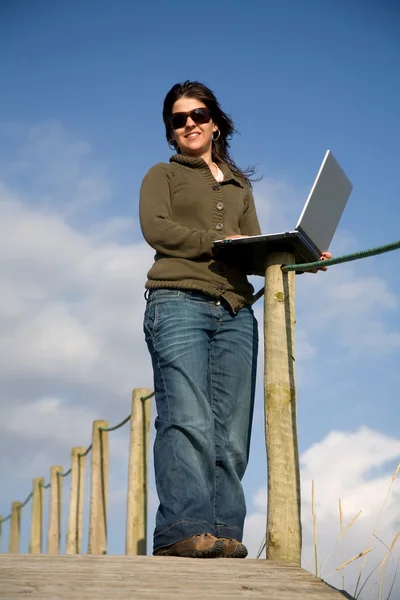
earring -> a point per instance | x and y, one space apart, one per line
171 145
218 135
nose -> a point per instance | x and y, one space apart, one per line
190 122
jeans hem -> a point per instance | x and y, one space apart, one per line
179 531
229 531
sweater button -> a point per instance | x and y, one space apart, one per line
215 187
221 288
219 226
220 206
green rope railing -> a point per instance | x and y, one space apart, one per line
25 502
301 267
342 259
127 418
86 452
7 518
116 426
64 474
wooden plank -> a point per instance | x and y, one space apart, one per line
92 577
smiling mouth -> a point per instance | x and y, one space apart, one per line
192 136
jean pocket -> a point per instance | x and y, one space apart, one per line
150 319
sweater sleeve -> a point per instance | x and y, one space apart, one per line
159 230
249 221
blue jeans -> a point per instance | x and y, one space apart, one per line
204 360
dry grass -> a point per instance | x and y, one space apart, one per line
373 534
341 532
356 557
389 550
314 527
384 562
381 573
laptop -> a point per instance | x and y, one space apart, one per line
314 230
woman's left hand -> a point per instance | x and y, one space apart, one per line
324 256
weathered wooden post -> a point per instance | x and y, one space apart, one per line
283 536
15 528
35 544
75 518
99 490
54 529
136 513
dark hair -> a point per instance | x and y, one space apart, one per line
220 152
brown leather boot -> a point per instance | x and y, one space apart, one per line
203 545
233 549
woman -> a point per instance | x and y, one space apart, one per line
200 330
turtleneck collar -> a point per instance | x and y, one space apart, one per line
199 163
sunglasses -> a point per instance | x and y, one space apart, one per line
198 116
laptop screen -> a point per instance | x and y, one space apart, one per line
325 203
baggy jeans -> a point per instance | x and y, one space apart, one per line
204 361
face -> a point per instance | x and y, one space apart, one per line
192 139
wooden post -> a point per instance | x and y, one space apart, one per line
283 538
54 530
15 528
35 545
136 512
99 490
75 518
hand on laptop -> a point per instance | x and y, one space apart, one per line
232 237
324 256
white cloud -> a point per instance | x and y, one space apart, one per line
354 310
69 299
71 307
342 466
48 420
111 229
58 168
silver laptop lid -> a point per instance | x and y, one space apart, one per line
325 203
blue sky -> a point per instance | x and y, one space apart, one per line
82 85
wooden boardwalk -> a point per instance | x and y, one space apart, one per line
85 577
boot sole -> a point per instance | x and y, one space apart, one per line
213 552
240 552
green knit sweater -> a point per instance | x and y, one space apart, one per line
183 210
